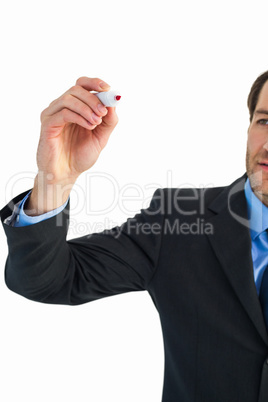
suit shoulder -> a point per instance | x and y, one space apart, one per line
189 192
170 199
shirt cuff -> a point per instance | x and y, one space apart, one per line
20 219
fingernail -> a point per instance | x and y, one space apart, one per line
102 108
104 85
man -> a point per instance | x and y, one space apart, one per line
200 253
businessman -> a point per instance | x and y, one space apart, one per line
202 254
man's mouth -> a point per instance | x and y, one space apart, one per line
264 166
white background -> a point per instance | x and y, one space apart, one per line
184 70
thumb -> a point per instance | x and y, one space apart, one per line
111 118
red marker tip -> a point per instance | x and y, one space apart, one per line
117 97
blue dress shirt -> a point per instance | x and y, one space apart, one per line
19 218
258 222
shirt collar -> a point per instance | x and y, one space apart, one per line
257 212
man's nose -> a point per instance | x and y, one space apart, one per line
265 146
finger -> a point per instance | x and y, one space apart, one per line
108 124
88 98
111 119
68 101
58 120
93 84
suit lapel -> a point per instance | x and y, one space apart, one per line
232 244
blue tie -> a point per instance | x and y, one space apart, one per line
263 295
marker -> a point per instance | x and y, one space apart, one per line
109 98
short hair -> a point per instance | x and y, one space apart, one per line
254 94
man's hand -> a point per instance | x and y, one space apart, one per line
75 128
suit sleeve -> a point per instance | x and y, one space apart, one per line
43 266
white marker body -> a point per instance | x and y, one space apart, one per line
108 98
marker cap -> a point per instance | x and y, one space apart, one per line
109 98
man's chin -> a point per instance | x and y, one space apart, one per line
260 188
258 176
261 191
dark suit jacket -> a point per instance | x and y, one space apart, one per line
191 250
